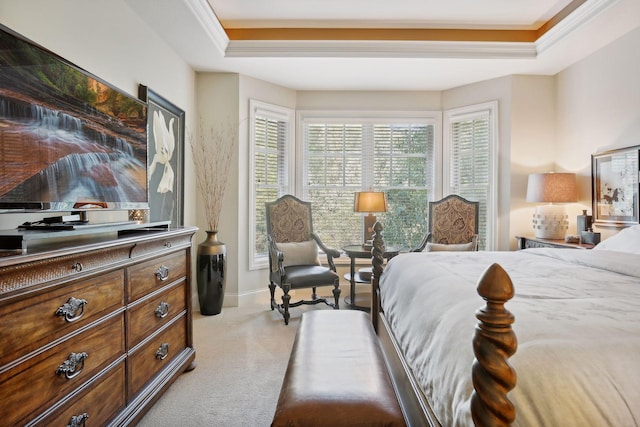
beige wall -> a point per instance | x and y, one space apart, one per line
369 100
598 108
533 145
217 104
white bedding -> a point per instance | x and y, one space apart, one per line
577 322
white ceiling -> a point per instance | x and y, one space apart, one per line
196 31
384 13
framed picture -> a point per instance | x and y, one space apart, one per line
165 158
614 176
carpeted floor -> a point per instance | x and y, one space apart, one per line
241 357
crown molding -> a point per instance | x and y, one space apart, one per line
378 49
201 10
583 14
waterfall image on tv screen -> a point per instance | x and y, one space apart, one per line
65 136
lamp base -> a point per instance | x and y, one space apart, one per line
550 222
369 222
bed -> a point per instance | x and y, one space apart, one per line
577 322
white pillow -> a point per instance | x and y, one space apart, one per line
626 240
459 247
299 253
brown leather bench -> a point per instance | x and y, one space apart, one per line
336 375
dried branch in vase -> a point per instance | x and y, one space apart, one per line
212 153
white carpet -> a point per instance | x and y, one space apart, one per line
241 357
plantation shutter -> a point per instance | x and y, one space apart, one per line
270 169
341 158
332 174
469 162
403 168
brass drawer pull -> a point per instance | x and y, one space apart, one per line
163 351
162 310
72 310
77 267
78 420
162 273
73 365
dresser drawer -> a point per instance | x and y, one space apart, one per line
160 245
150 314
29 323
153 274
66 267
101 401
155 354
44 374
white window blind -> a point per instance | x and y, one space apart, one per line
271 142
344 155
469 160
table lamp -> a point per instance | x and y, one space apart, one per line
550 221
369 202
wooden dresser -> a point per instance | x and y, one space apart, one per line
93 333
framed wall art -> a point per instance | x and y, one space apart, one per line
165 159
614 176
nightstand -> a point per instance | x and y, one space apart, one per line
534 242
358 251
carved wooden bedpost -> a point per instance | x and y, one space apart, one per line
493 343
377 260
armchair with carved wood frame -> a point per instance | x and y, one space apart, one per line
293 255
453 225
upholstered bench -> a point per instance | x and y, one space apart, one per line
336 375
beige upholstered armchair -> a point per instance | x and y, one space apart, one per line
453 226
293 254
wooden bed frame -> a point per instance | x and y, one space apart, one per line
493 343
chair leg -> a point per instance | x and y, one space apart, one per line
336 293
285 302
314 295
272 289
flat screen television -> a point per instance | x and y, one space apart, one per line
67 139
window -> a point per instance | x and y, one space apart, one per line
343 153
271 144
470 160
400 153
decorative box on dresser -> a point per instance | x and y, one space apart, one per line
93 333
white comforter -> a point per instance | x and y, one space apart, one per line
577 322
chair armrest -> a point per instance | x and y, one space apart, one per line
423 244
330 252
474 239
275 254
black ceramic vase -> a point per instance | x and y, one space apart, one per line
211 266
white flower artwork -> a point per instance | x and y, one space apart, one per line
165 148
165 144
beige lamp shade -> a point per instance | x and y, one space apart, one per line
370 201
550 221
552 188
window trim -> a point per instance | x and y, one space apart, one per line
465 113
274 112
